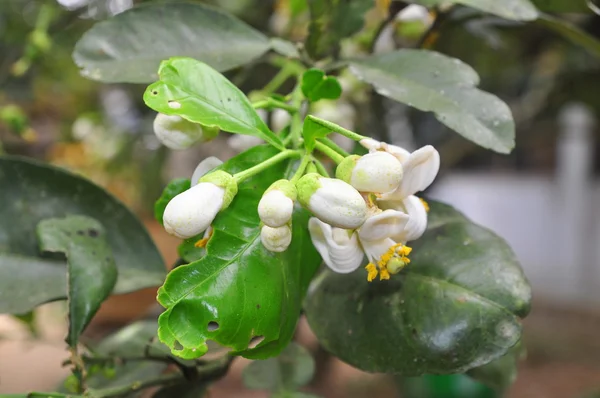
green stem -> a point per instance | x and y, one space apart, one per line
336 157
273 103
321 168
300 170
333 146
296 123
337 128
277 81
242 175
311 168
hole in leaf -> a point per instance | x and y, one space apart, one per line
174 104
154 92
254 341
177 346
212 326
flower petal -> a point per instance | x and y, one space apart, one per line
386 224
417 222
399 153
420 170
374 249
204 167
340 250
370 144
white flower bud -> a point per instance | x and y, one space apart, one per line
378 172
192 211
176 132
333 201
277 204
276 239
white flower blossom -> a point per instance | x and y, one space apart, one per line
276 239
378 172
276 206
177 133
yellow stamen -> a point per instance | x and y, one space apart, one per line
384 274
425 204
372 271
204 241
405 250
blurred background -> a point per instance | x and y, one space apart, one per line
541 198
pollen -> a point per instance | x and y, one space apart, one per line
204 241
425 204
384 275
372 272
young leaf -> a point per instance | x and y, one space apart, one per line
91 270
198 93
31 191
433 82
239 292
572 33
130 46
290 370
455 307
316 86
173 188
518 10
311 130
331 21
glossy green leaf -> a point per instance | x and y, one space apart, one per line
455 307
91 269
331 21
173 188
572 33
290 370
501 373
446 386
188 250
239 292
316 86
130 46
197 92
32 191
433 82
518 10
577 6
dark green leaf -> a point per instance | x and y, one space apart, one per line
331 21
579 6
174 188
29 320
447 386
518 10
91 270
316 86
186 390
571 33
40 395
197 92
32 191
501 373
433 82
290 370
239 290
456 306
130 46
188 250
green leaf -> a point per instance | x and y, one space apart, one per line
571 32
173 188
290 370
186 390
32 191
29 320
562 6
455 307
284 47
518 10
446 386
239 291
316 86
91 270
311 130
198 93
130 46
501 373
430 81
331 21
188 251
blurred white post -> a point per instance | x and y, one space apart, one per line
574 247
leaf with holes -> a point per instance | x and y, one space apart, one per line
32 191
239 292
91 270
433 82
518 10
455 307
316 86
129 46
198 93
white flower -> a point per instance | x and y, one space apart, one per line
176 132
378 238
192 211
276 239
276 206
331 200
378 172
204 167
